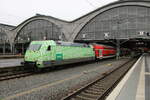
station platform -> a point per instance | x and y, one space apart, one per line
136 83
10 56
4 63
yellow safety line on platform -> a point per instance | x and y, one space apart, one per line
46 86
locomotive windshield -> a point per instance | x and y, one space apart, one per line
34 47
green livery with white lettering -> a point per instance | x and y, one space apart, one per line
49 53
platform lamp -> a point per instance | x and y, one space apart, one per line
28 39
29 36
84 36
106 35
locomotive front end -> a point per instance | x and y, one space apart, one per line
33 55
39 54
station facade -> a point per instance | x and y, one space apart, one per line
124 20
4 40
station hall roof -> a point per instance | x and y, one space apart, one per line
72 28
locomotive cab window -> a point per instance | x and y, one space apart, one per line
34 47
49 48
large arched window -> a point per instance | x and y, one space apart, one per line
120 22
3 37
4 40
39 30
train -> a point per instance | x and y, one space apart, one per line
103 51
49 53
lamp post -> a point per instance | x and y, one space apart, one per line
118 41
117 37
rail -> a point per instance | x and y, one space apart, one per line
101 87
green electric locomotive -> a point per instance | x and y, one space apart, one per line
50 53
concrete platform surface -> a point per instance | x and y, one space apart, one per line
136 83
10 62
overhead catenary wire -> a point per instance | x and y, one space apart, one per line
90 4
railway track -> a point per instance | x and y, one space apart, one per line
101 87
18 72
15 72
12 75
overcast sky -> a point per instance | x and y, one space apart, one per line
13 12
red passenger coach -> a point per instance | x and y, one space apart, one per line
103 51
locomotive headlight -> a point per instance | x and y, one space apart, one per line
39 62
